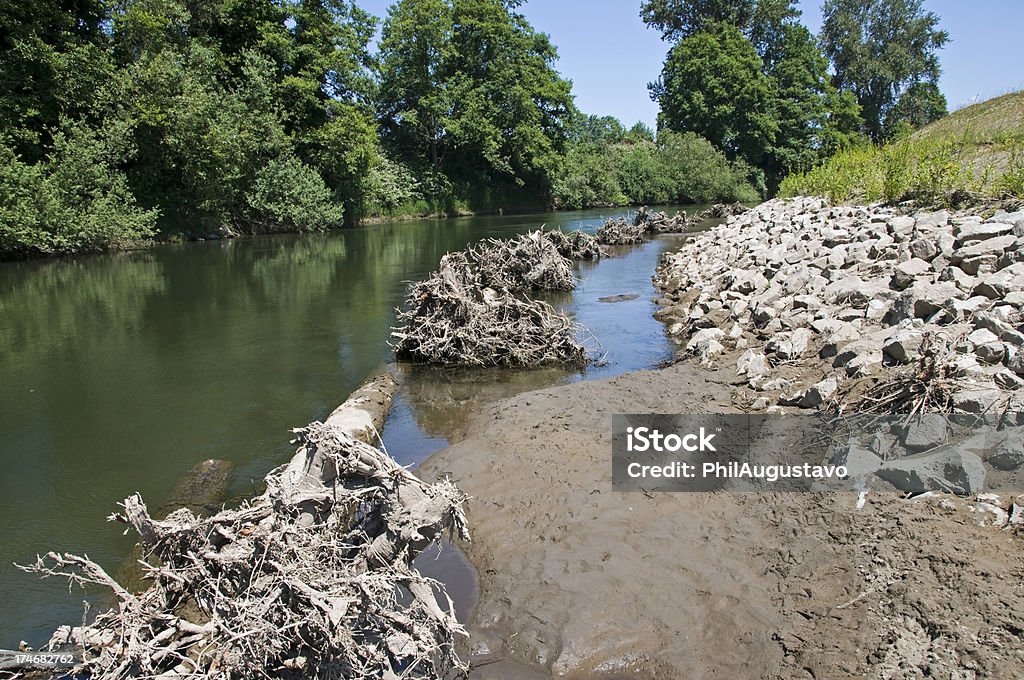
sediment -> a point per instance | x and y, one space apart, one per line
579 581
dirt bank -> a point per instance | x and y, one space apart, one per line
579 581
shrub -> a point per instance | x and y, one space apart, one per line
288 195
75 200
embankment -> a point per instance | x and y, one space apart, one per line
812 305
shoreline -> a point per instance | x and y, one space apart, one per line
579 581
227 235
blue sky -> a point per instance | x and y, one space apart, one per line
610 55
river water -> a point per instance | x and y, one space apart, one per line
119 372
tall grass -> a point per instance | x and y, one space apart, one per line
930 171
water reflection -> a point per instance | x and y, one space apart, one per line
118 373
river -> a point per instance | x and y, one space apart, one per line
119 372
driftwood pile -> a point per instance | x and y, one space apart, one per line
660 222
619 232
528 262
311 579
453 318
576 245
722 211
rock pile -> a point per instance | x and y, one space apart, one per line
802 297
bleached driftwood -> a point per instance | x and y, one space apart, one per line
619 232
311 579
362 415
451 318
525 263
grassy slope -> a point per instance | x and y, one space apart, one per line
974 153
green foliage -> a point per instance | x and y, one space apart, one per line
137 118
678 19
75 200
288 195
700 173
712 84
392 189
588 179
680 168
469 90
415 44
885 52
750 79
928 171
1011 184
813 118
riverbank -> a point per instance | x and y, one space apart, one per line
580 581
816 306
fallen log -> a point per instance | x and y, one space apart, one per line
202 490
304 580
362 415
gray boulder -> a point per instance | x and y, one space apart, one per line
924 432
979 231
924 249
997 285
987 346
929 221
753 364
820 392
903 345
950 470
978 264
992 246
976 400
905 273
791 345
921 300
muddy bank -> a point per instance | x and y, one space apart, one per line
579 581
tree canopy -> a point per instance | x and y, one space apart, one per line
753 82
886 53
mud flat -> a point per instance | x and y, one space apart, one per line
579 581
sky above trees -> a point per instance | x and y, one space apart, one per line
610 56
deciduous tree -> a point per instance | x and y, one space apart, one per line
886 53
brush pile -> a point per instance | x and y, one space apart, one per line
525 263
311 579
722 211
576 245
928 386
453 318
619 232
660 222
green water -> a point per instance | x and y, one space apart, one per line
119 372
